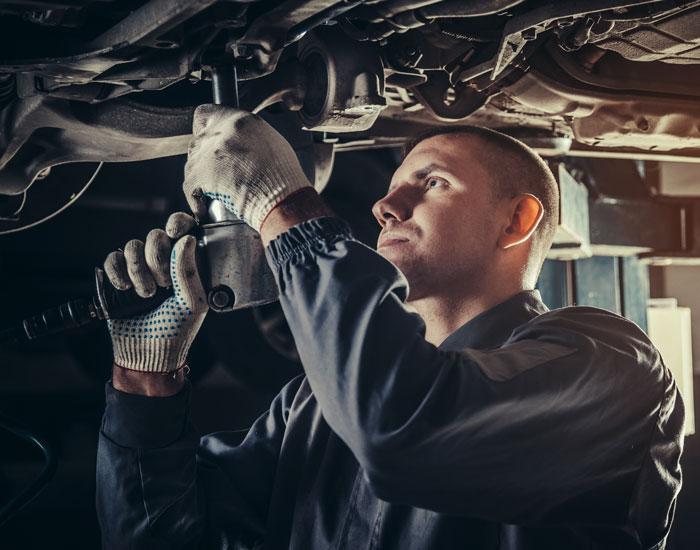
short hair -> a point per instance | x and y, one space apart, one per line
526 172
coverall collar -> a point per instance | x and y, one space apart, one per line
491 328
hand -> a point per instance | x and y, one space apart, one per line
159 341
239 159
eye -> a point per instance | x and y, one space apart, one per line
432 183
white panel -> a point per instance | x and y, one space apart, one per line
683 283
669 330
679 178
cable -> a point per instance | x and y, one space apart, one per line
38 485
74 198
14 216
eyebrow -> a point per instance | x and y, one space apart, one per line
424 172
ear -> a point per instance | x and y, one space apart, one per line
526 212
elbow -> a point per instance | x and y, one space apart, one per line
387 474
400 481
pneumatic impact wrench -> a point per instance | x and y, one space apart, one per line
230 260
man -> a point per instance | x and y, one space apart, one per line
483 421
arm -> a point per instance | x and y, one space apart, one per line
148 384
556 427
552 428
160 486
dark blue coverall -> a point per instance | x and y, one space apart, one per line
525 429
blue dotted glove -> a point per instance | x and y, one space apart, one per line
160 340
239 159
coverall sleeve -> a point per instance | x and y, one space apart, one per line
553 427
160 486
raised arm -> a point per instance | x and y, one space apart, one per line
572 419
556 426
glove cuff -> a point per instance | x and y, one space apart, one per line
152 354
166 357
287 180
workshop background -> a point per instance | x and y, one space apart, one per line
54 387
607 90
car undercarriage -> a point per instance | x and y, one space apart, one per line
107 81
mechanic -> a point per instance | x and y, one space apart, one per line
481 421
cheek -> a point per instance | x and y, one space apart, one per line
462 233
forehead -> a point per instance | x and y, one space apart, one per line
459 153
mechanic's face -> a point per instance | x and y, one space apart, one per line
438 217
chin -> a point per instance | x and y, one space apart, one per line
407 263
387 253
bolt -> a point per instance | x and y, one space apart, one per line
450 97
219 299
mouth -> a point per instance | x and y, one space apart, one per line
390 240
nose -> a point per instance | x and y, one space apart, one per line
396 205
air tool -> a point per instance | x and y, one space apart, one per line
230 260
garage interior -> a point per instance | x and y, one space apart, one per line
93 144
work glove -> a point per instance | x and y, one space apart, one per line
240 160
159 341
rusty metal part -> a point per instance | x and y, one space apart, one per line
378 12
671 38
156 16
39 132
399 17
447 102
298 31
147 50
153 18
608 119
116 131
346 83
459 8
262 44
526 27
620 74
287 85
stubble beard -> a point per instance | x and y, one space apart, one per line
427 280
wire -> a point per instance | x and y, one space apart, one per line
74 198
38 485
15 215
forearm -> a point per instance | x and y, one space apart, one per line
159 484
146 472
147 383
301 206
353 335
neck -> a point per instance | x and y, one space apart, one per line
443 314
